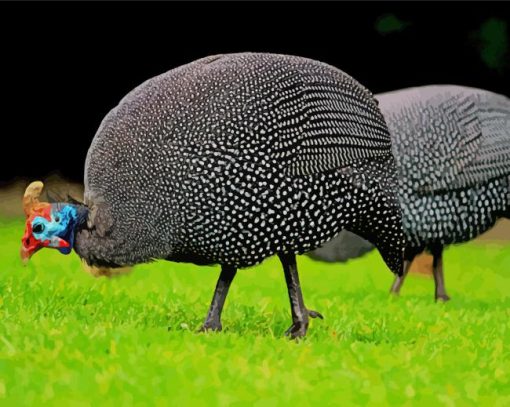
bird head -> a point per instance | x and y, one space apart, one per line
47 225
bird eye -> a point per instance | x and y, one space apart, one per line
57 219
38 228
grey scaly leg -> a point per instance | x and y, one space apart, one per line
440 293
213 319
399 280
300 315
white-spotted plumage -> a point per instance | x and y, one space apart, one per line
233 158
452 148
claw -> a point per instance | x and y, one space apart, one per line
297 330
314 314
211 327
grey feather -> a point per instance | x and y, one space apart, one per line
343 247
233 158
450 136
452 148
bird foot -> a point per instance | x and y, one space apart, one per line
299 328
211 326
442 298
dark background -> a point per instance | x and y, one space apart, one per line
65 65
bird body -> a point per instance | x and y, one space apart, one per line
231 159
452 149
237 158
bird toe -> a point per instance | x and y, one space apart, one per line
211 327
297 330
314 314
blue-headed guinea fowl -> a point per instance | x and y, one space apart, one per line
452 148
228 160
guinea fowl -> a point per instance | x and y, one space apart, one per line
452 148
231 159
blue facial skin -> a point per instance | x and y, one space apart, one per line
62 224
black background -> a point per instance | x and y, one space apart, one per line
65 65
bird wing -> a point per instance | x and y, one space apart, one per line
449 137
326 120
491 157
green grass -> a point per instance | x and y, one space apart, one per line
69 339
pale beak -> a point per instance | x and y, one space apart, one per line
25 255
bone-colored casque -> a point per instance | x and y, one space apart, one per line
31 197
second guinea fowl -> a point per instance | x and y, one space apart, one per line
452 147
231 159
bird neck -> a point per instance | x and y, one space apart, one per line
93 247
82 213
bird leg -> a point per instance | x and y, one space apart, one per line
300 315
213 319
438 275
399 280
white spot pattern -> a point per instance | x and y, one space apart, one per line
233 158
452 148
